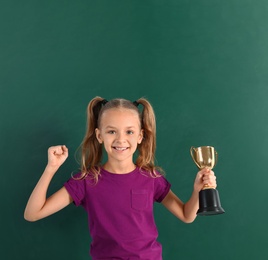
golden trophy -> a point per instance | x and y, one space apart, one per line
209 200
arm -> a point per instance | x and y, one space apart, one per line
39 206
187 212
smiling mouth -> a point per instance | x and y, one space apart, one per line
120 148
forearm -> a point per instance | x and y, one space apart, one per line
38 197
203 177
190 207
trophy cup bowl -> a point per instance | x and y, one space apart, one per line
209 200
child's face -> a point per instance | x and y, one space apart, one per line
120 132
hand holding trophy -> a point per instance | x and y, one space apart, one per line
209 200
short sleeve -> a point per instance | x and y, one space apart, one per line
161 188
76 189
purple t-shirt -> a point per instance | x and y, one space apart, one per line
120 213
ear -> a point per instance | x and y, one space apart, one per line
140 137
98 135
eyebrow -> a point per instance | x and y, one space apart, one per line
113 127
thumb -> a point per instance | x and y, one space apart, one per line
64 149
58 150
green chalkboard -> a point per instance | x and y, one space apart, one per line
202 64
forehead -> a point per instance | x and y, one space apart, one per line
120 117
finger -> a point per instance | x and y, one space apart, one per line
52 149
205 170
202 173
210 180
211 173
61 149
56 150
209 177
199 175
208 172
64 149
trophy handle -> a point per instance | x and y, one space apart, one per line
191 151
216 157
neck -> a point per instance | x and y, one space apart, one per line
119 168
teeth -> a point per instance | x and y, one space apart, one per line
120 148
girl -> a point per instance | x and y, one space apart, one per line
118 195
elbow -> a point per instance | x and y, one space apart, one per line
30 217
188 221
188 216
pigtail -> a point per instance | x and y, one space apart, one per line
146 157
91 149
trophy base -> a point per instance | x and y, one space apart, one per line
209 203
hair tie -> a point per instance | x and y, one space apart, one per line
135 103
104 102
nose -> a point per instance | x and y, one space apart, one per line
121 137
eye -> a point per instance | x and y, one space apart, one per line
112 132
130 132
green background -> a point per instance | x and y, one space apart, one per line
204 67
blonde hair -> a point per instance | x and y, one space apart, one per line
91 149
